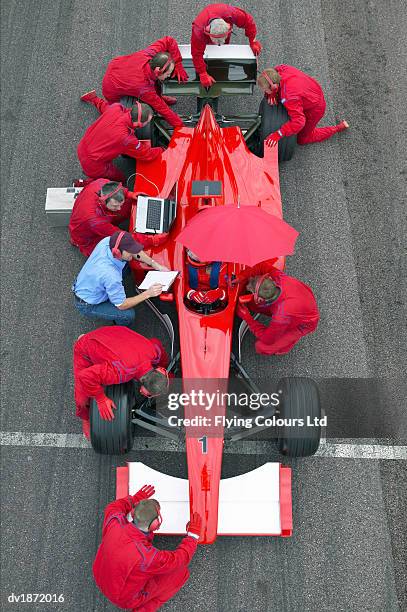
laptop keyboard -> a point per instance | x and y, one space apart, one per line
154 214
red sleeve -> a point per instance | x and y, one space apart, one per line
165 44
197 50
246 21
258 329
297 117
258 270
96 377
118 509
140 150
99 226
150 96
280 336
165 561
164 359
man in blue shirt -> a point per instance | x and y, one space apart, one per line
98 289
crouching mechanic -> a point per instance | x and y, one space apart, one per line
290 303
100 207
112 135
98 289
112 355
304 100
207 280
213 25
128 569
141 74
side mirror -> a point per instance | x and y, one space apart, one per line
245 299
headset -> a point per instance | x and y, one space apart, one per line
146 392
104 198
207 31
274 86
257 298
157 522
139 123
158 70
115 250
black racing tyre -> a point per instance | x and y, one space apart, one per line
272 118
299 399
113 437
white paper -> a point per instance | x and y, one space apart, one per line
163 278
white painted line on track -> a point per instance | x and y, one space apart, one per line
346 450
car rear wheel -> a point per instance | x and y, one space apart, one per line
113 437
272 118
299 399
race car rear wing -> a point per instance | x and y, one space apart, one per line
233 66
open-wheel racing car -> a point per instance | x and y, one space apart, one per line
206 338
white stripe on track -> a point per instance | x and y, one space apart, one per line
348 450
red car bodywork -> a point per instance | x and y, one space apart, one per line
207 152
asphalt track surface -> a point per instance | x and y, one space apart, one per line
345 196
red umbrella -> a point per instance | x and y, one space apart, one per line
245 235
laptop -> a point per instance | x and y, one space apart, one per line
156 215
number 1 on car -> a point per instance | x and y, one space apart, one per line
204 442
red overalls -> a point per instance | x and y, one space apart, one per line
131 75
293 315
91 220
110 356
130 571
304 100
230 14
108 137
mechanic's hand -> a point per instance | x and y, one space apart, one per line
144 493
206 80
194 526
256 47
154 290
273 139
180 73
243 312
105 407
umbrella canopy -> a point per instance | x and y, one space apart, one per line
245 235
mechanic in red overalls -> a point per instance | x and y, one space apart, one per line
110 356
128 569
140 75
290 303
98 210
213 25
304 100
112 135
207 280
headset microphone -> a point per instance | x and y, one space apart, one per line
274 86
164 68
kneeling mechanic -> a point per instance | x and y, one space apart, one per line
113 355
98 289
128 569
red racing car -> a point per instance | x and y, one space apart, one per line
213 161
